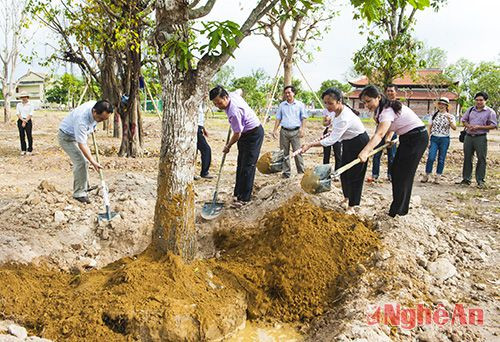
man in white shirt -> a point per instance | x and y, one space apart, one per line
24 111
291 116
73 132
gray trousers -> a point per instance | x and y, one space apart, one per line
479 145
288 138
80 164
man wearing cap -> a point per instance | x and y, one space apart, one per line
72 135
291 116
24 111
478 121
439 131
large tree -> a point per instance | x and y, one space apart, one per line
13 22
104 38
292 25
185 80
390 50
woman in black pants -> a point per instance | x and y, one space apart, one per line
24 111
347 128
394 117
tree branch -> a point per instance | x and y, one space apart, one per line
195 13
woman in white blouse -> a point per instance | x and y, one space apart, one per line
348 129
24 111
439 130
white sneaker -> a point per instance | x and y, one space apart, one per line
437 179
425 179
29 153
23 153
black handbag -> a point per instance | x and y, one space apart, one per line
461 137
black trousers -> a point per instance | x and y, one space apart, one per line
248 153
337 154
352 180
205 151
25 132
412 146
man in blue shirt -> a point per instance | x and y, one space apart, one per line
291 116
72 135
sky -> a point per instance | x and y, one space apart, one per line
463 28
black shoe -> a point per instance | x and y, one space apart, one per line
285 175
83 199
463 182
207 176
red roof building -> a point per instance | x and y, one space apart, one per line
420 92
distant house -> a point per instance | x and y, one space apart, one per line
420 92
34 84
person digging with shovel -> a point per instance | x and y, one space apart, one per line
394 117
247 133
72 136
348 129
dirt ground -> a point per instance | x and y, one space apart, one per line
443 253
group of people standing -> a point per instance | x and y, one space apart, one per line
347 136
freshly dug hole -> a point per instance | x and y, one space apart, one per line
289 268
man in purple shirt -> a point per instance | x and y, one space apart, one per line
478 120
247 132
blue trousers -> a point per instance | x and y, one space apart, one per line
439 147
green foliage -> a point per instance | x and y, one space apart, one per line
224 76
372 10
383 60
254 88
345 87
473 78
433 57
63 87
221 37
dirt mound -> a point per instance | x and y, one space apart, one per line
288 267
49 224
294 264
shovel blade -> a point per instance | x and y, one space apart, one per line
106 216
211 210
317 180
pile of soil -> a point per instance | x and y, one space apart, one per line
298 260
289 267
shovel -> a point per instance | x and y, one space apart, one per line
213 209
272 162
108 215
319 179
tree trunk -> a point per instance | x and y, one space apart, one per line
110 88
6 108
174 228
287 71
131 141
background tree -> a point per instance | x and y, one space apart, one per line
390 51
432 57
63 87
345 87
104 38
224 76
13 23
292 25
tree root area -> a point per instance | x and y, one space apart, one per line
290 267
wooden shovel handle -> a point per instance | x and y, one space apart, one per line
356 161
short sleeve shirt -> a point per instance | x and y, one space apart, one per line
80 122
401 123
24 110
440 124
